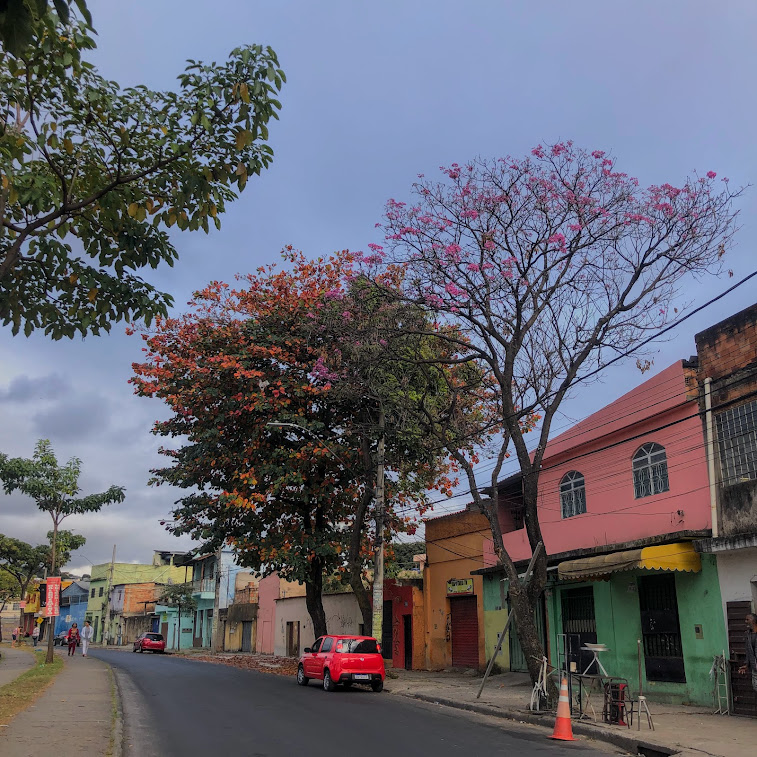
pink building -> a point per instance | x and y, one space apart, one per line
632 470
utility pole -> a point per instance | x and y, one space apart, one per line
214 640
106 604
378 565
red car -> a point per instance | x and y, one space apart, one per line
150 642
343 660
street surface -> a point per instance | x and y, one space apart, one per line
182 708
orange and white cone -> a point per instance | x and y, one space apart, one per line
563 729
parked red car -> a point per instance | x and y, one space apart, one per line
150 642
343 660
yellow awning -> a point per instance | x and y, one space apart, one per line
678 556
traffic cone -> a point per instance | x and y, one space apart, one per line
563 729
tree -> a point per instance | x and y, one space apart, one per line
55 490
275 456
180 596
20 19
369 361
92 175
23 562
549 266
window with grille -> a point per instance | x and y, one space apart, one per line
737 439
572 494
650 470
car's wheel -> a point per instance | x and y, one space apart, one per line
133 649
328 683
377 686
141 649
302 679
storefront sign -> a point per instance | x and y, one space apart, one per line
457 586
52 597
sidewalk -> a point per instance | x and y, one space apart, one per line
79 703
14 662
678 729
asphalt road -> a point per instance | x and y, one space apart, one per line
178 707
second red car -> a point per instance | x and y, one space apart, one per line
150 642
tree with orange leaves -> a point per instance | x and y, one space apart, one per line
277 453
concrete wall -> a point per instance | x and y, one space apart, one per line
618 621
342 617
495 616
737 572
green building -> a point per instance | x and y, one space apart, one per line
673 617
166 567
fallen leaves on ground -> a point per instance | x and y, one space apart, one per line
280 666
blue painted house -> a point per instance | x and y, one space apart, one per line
73 606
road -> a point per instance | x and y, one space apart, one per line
182 708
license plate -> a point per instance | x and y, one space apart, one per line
361 677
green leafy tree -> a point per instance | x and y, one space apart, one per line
182 598
23 562
55 490
21 19
92 176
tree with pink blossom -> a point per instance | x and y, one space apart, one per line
548 266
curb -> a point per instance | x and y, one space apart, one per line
631 744
117 726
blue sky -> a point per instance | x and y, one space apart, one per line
376 94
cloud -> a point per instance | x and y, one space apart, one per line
74 418
26 389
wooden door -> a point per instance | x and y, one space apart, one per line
247 636
742 694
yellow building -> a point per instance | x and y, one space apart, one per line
453 599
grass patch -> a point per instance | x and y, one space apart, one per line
19 694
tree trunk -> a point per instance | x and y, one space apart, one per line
314 597
51 621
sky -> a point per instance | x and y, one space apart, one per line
378 93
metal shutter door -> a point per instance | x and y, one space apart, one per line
464 612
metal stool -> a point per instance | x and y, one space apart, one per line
641 706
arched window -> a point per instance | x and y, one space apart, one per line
650 470
572 494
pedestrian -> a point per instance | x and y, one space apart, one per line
751 649
73 639
86 636
15 634
35 634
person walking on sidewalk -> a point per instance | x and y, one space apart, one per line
35 634
73 639
15 634
86 637
751 649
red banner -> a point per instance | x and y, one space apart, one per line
52 597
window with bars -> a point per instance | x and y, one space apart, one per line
572 494
737 439
650 470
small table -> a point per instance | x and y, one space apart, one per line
595 649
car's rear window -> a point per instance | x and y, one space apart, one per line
155 636
358 646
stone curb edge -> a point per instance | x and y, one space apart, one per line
118 724
625 741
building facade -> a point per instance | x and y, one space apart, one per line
727 373
454 598
622 497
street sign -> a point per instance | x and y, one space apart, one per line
22 604
456 586
52 597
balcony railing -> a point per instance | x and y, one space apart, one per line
204 584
